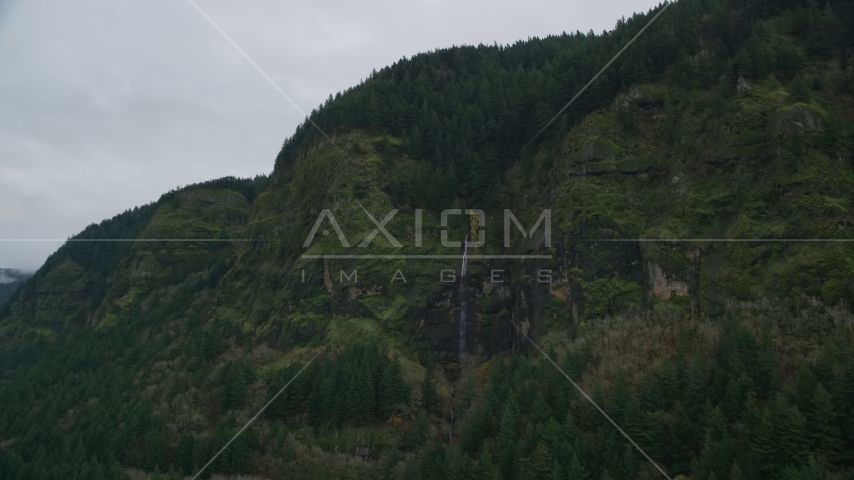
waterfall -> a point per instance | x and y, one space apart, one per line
463 302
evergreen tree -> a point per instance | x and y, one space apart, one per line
539 411
734 398
790 434
415 438
715 457
387 152
799 89
735 473
663 387
694 392
629 462
154 446
183 456
410 471
234 386
387 467
824 424
392 391
475 430
679 440
507 435
415 146
508 426
574 470
485 469
454 464
429 394
762 442
173 474
365 394
537 465
809 471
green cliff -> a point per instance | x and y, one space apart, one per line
697 277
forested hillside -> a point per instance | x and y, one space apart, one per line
697 281
468 111
10 281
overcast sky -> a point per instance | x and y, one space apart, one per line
107 104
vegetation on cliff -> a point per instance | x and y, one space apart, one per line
145 343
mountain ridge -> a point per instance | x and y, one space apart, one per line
741 131
10 280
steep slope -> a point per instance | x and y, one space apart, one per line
726 120
105 271
10 281
746 160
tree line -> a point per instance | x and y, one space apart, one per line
466 112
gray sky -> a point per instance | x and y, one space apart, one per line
107 104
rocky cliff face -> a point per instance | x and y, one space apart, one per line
635 211
603 258
620 242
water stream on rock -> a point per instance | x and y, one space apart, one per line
461 334
463 303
